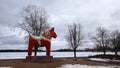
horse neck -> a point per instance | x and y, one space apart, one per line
48 36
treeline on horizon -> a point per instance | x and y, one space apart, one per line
61 50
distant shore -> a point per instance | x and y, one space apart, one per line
61 50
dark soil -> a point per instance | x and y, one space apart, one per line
107 56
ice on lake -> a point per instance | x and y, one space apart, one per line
20 55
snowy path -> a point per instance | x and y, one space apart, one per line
85 66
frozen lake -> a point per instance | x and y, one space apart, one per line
20 55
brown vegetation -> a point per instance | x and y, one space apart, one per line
57 62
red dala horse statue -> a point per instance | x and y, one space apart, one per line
41 41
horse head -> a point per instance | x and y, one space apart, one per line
52 33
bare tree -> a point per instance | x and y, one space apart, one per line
74 36
34 21
101 39
115 41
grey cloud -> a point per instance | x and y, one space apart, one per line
116 15
11 40
90 13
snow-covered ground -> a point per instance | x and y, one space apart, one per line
15 55
6 67
85 66
104 60
79 66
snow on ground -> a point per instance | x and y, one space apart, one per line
15 55
85 66
104 60
6 67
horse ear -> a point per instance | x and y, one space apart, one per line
52 28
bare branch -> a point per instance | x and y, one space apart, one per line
34 20
101 39
74 36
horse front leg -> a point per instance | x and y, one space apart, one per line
48 49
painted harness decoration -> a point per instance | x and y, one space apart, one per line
41 41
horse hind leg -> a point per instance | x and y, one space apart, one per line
30 50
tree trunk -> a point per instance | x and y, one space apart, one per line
35 50
104 51
75 53
116 53
115 49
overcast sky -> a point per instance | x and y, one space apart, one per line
90 13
